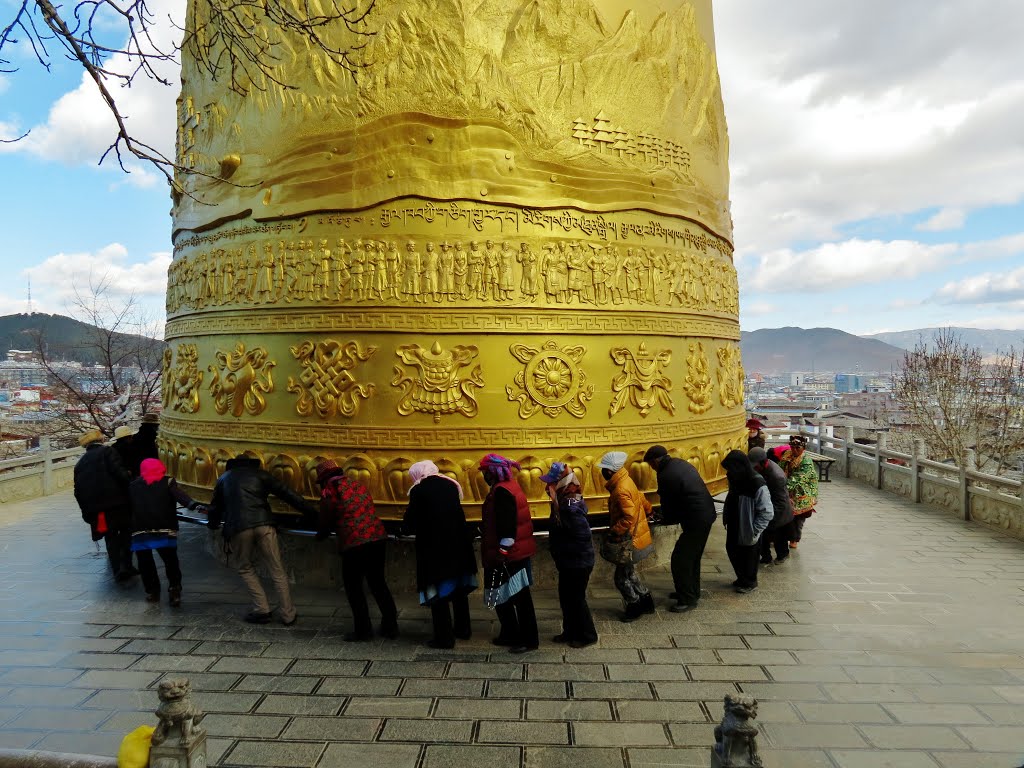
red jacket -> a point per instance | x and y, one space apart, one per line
524 545
346 508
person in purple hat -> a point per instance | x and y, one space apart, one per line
572 548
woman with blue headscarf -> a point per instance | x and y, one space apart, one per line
506 548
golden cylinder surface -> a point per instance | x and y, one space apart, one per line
493 226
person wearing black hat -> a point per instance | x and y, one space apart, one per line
685 500
755 433
779 530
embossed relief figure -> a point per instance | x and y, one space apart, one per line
412 267
506 271
476 270
641 381
394 267
441 387
431 286
528 259
491 272
342 275
327 386
446 267
461 271
240 381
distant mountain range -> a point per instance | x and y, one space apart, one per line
65 337
781 350
988 341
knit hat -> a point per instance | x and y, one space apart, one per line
499 466
613 460
757 455
554 474
655 452
152 470
324 469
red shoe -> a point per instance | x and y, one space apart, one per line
793 544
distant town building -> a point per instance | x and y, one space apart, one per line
849 382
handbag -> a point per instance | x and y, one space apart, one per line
620 550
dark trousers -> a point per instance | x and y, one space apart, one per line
147 568
686 556
366 562
118 540
519 620
444 632
778 538
577 621
798 527
744 559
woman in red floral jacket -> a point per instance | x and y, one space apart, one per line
346 508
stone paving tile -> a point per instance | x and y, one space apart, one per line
240 726
449 756
427 731
350 755
486 670
873 759
206 681
568 710
278 684
393 706
791 736
528 690
284 704
625 690
483 709
533 732
694 691
333 728
245 665
727 672
678 756
94 743
114 679
587 734
407 669
160 663
12 739
913 737
977 760
992 738
282 754
573 757
660 712
843 713
148 645
567 671
451 688
936 714
325 667
43 697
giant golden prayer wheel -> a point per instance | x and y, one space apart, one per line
498 225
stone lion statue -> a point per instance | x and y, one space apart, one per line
177 710
736 737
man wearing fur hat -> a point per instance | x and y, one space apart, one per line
101 490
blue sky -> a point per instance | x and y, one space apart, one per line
877 168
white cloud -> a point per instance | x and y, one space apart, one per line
944 220
838 266
58 280
79 127
760 308
987 288
4 82
840 113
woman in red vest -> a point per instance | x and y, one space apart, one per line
506 548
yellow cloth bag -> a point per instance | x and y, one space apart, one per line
134 751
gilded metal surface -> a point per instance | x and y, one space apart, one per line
509 232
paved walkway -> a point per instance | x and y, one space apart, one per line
893 637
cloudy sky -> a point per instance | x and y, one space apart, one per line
877 168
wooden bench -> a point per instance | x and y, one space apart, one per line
824 465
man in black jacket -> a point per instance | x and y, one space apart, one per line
685 500
101 490
779 529
240 504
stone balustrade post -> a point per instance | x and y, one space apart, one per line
820 424
848 444
880 445
47 456
916 454
968 463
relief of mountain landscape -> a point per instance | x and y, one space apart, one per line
569 86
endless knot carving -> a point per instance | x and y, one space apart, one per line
181 384
552 380
730 376
438 390
641 382
698 385
326 385
247 377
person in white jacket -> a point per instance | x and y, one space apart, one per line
748 512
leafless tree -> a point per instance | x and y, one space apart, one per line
237 40
956 399
118 378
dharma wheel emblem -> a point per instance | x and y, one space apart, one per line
440 388
552 380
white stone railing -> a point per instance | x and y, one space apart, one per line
958 489
39 474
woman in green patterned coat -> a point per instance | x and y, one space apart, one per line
802 483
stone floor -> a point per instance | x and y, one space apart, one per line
893 637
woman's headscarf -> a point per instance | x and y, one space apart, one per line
325 470
152 470
498 466
424 469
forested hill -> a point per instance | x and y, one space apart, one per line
65 337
